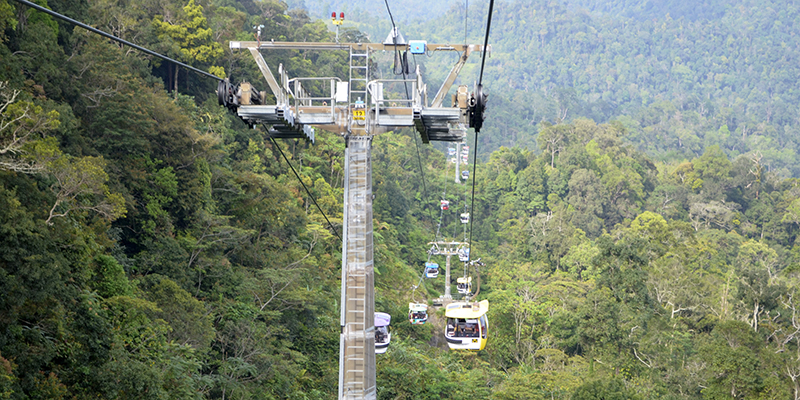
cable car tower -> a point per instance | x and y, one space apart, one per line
448 249
356 109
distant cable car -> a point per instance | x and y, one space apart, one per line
451 151
465 149
463 255
382 334
417 313
453 160
467 325
445 205
464 175
464 284
464 218
431 270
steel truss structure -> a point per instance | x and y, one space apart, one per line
356 109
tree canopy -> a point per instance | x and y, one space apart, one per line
636 205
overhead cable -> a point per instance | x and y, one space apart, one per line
274 143
486 41
474 174
424 185
390 13
475 144
441 207
466 20
112 37
408 96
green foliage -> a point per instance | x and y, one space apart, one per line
188 37
7 19
190 323
736 363
7 378
539 385
80 184
110 278
681 78
611 273
190 34
612 390
22 124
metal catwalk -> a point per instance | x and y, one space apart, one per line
357 339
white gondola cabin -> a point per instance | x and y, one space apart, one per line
467 325
417 313
464 218
382 334
463 255
431 270
451 151
464 284
464 175
445 205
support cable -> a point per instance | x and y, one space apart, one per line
472 207
455 203
475 144
466 210
455 227
424 185
477 263
408 96
441 208
390 13
466 277
112 37
274 143
421 281
486 41
466 20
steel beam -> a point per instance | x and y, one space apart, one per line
265 45
357 371
280 96
439 99
357 338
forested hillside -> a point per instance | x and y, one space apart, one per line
680 75
637 206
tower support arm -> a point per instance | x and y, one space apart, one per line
439 99
264 45
280 96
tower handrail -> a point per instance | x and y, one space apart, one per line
301 96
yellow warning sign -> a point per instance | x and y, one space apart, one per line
359 114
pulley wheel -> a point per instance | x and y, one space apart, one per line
478 103
223 92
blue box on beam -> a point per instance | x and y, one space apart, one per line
417 46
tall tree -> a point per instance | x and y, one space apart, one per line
190 38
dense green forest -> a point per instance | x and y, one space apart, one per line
637 205
681 76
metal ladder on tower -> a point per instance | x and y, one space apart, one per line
359 77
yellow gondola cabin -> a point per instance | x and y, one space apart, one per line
464 284
467 325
